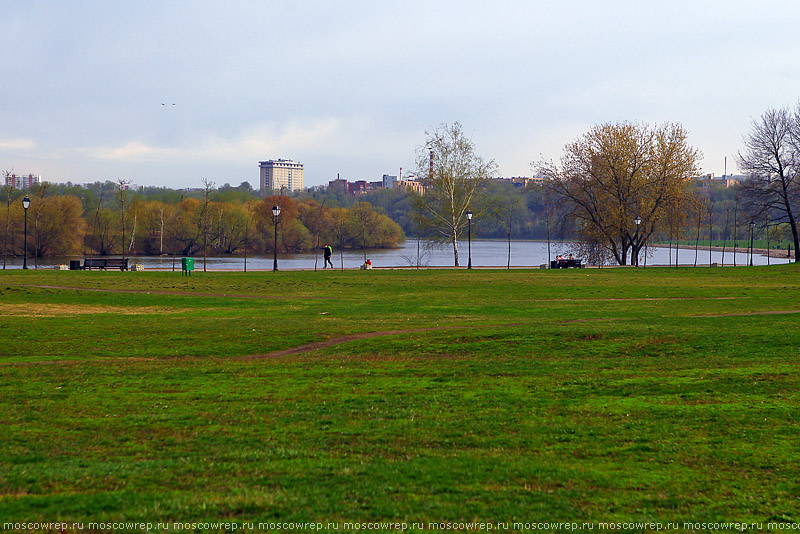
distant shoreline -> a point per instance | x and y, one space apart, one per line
772 253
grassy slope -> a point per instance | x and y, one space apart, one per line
590 395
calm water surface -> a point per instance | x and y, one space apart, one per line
484 254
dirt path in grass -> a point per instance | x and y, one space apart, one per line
308 347
317 345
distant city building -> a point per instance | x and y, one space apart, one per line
24 181
522 181
359 187
388 181
339 184
728 180
280 174
415 186
362 187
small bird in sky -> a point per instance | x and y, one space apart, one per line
163 104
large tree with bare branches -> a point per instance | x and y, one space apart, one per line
617 172
771 158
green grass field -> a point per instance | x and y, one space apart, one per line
414 396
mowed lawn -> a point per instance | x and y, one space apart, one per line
430 395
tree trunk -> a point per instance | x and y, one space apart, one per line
635 255
793 225
725 234
670 247
710 236
697 239
161 233
455 247
8 227
735 230
509 250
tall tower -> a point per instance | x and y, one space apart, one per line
281 173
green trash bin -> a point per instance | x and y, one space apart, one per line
187 266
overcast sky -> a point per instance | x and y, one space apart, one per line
350 87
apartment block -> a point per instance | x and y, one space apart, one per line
278 174
22 181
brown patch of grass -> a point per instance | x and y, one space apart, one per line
747 314
594 336
61 310
695 401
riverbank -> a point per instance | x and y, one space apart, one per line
772 253
484 254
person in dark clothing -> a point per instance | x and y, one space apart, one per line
328 252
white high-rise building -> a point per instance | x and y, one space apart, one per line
280 173
24 181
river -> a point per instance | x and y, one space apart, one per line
485 253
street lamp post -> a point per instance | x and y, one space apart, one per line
752 229
469 238
276 210
768 243
26 203
638 221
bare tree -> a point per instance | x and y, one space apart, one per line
122 196
8 190
204 217
772 159
617 172
701 206
161 229
37 214
455 176
725 233
710 212
736 226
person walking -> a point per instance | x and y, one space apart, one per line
328 252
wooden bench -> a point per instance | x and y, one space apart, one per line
105 263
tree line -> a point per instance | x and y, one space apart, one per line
111 219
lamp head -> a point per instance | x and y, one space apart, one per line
276 210
469 215
638 220
26 202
